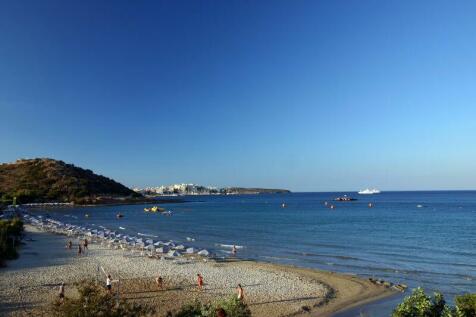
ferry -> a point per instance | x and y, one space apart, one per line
369 191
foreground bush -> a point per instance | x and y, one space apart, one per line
230 307
465 305
10 234
94 300
418 304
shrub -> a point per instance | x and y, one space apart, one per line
418 304
192 309
231 305
465 305
94 300
10 234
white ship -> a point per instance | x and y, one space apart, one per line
369 191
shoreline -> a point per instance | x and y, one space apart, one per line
272 289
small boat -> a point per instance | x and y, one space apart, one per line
86 215
283 205
154 209
119 215
369 191
344 198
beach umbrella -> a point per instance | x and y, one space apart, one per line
163 249
173 253
204 253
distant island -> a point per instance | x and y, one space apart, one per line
43 180
193 189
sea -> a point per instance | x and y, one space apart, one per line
420 238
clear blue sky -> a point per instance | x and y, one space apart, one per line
306 95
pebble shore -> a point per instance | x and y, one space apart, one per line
32 281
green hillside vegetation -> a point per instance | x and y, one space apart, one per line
48 180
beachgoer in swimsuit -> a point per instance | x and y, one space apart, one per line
241 293
69 245
233 250
61 293
109 283
199 281
80 250
159 281
85 244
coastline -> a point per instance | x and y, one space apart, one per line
271 289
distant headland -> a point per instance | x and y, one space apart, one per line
194 189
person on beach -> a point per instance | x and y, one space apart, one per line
159 281
240 292
85 244
199 281
61 293
80 250
233 250
109 283
69 245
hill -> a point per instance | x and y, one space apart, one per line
48 180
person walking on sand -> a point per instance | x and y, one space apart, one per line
109 283
199 281
159 281
61 293
85 244
80 250
240 292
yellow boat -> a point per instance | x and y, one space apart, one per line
154 209
146 209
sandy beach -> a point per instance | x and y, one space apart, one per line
31 282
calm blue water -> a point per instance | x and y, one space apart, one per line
433 245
